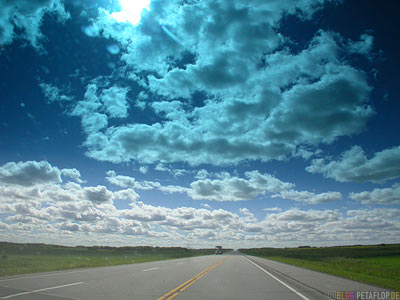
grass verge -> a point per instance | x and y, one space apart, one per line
363 270
18 259
375 265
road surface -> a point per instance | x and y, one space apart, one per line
231 276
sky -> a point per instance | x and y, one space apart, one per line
195 123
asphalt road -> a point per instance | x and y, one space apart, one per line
230 276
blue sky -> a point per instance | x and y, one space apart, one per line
246 123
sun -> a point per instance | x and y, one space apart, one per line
131 11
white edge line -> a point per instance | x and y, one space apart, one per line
67 271
44 275
62 272
150 269
180 263
41 290
280 281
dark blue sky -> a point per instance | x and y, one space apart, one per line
206 121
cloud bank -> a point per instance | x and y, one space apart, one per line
229 188
52 209
261 97
354 166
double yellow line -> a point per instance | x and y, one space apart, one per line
176 291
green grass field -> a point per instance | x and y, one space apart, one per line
31 258
377 265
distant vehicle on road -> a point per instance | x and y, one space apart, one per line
218 249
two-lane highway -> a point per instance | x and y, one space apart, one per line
232 276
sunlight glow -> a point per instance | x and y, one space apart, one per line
131 11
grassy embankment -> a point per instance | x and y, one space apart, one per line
32 258
377 265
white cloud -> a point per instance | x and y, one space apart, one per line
309 197
88 213
143 169
175 172
127 181
54 192
249 217
98 194
273 209
353 165
23 19
244 76
29 173
113 49
205 205
202 174
4 226
306 216
53 93
92 120
6 27
386 196
235 188
161 167
364 46
115 101
74 174
128 194
375 222
99 104
304 153
91 30
170 189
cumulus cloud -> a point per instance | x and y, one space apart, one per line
309 197
113 49
384 196
74 174
22 19
175 172
258 184
354 165
115 101
253 82
92 120
170 189
205 205
4 226
366 220
233 188
88 212
143 169
130 182
98 194
306 216
364 46
39 181
202 174
29 173
128 194
53 93
249 217
100 104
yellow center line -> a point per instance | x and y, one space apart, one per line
177 288
176 291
